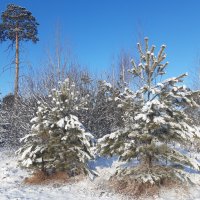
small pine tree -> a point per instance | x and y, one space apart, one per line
58 141
157 127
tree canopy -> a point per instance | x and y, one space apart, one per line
18 19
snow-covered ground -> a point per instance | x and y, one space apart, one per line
12 187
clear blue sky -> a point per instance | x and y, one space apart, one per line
96 30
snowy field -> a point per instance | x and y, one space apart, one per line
12 186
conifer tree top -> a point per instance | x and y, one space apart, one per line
20 20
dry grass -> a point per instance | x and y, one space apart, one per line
131 186
40 178
135 189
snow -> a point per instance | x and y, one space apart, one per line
35 119
61 123
27 162
27 151
72 122
107 84
12 187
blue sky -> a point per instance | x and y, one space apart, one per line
96 31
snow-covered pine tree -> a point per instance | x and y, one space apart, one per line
157 128
58 141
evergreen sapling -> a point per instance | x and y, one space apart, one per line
58 141
156 126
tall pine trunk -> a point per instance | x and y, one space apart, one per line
16 67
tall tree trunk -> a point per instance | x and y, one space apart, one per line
16 67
